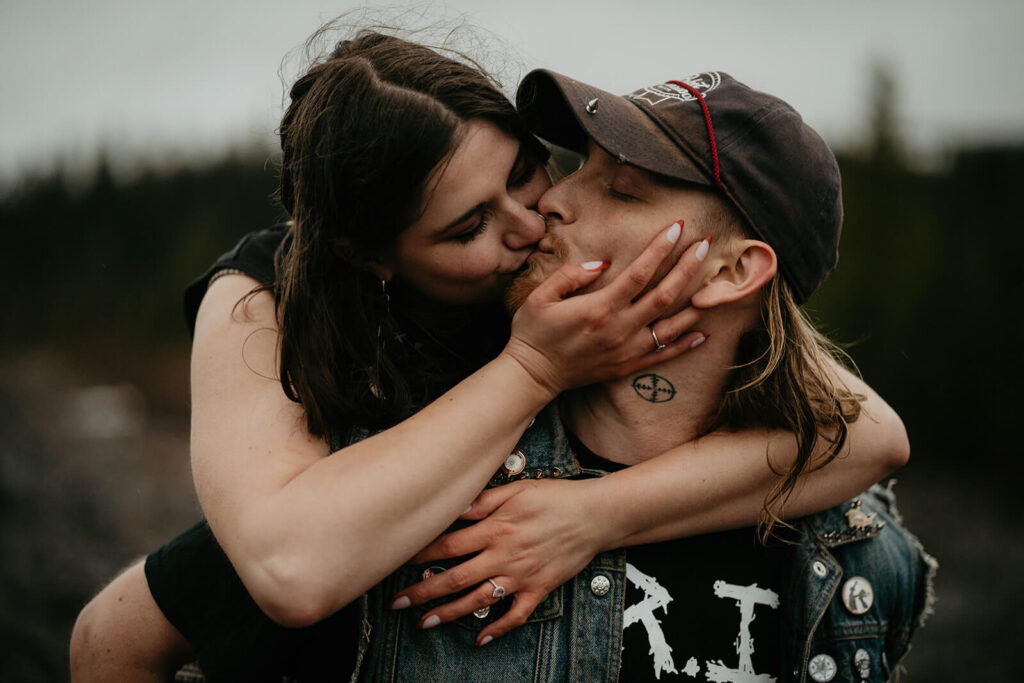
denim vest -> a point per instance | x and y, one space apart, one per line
575 634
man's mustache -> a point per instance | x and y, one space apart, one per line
528 280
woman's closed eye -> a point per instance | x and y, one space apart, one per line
474 230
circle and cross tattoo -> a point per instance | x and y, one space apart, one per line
654 388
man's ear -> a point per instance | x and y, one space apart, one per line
743 267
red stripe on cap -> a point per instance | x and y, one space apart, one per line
711 129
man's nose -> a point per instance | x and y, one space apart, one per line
555 204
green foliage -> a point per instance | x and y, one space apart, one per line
925 291
107 264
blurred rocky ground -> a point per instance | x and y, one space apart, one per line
93 473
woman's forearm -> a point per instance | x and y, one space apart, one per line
309 530
721 481
348 520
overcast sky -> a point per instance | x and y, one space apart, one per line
186 79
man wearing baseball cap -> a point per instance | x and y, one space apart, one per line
750 197
744 176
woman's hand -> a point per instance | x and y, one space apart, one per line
532 537
569 342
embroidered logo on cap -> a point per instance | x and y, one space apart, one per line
669 92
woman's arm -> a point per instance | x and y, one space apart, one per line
308 530
537 534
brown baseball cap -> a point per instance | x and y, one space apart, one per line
712 130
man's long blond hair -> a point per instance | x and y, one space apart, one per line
782 380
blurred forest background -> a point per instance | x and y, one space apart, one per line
94 358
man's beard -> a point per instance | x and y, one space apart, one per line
530 279
523 286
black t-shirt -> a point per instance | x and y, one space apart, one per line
698 605
199 592
253 255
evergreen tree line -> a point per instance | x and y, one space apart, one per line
925 296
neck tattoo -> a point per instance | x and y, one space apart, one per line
654 388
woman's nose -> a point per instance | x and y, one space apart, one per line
528 228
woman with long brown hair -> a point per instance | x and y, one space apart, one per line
355 383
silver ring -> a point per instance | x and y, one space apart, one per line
541 216
499 591
658 346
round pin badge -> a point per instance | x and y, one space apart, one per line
858 595
822 668
862 662
514 463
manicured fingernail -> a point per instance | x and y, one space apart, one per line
401 603
698 341
486 640
431 621
702 249
468 508
673 233
594 265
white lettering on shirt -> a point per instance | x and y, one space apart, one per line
655 597
746 598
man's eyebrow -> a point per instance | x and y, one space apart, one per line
450 227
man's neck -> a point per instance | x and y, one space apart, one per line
640 416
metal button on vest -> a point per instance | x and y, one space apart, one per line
858 595
822 668
820 570
600 585
515 462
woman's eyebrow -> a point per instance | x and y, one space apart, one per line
517 165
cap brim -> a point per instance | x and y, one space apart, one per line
555 109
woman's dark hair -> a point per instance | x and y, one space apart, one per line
363 131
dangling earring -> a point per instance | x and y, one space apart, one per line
375 387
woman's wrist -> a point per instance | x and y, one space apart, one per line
528 368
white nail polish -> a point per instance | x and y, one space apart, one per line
697 342
401 603
673 233
486 640
468 508
702 250
432 621
591 265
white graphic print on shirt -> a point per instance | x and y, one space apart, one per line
657 597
